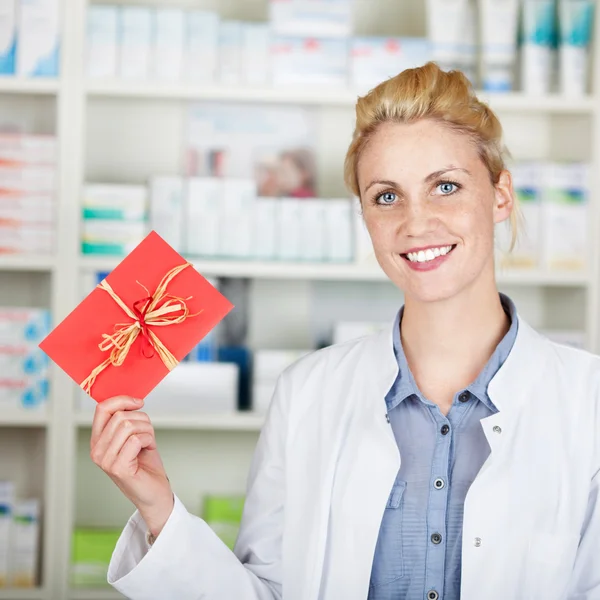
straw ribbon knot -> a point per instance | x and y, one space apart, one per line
157 310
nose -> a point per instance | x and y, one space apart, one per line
420 219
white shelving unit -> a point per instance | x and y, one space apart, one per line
98 125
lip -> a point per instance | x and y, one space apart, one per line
430 265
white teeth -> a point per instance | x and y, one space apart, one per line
429 254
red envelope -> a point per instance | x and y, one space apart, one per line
74 344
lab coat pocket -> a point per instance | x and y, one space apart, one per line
550 561
388 564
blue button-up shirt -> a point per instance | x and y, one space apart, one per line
419 547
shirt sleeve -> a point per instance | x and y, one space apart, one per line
188 561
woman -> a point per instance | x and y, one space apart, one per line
373 448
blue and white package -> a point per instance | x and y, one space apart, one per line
23 393
23 361
102 35
38 45
320 18
24 325
8 36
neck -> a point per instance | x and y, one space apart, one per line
453 339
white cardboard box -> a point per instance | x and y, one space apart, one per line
167 203
339 225
24 544
312 229
235 218
7 500
289 240
38 38
202 215
319 18
256 53
8 36
265 234
169 44
136 33
201 46
102 41
230 52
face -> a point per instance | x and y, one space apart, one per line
430 208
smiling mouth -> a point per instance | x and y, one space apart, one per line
425 256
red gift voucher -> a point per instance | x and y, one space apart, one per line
137 324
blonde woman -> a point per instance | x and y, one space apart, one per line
455 455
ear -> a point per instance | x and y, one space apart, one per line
504 197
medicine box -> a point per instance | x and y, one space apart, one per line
235 218
18 150
319 18
7 501
256 53
111 237
201 46
91 551
32 238
136 33
196 388
38 38
339 243
309 61
17 209
375 59
204 195
230 52
289 240
265 228
24 547
169 44
27 179
8 36
167 203
224 514
26 393
20 326
566 216
23 361
102 41
312 230
115 202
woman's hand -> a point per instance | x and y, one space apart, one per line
124 447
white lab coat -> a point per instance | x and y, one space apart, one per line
325 464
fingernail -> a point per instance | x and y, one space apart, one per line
138 400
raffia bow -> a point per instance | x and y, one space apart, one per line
159 310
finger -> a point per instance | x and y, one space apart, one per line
101 444
126 458
125 431
106 409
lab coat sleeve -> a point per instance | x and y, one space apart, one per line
585 582
188 561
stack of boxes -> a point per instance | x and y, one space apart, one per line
19 539
27 192
115 218
29 38
554 201
91 551
304 42
23 366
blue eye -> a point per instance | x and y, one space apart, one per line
386 198
447 187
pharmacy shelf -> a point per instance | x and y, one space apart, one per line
16 85
323 96
23 594
207 422
339 272
27 262
21 418
94 594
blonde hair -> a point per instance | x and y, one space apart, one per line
427 92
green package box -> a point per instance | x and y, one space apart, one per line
92 549
224 515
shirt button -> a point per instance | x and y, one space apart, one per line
436 538
497 429
445 429
438 484
464 397
477 542
432 595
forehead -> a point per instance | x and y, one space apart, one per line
416 148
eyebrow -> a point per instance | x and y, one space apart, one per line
428 179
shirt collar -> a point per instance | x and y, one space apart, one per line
405 384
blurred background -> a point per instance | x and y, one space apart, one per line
223 124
